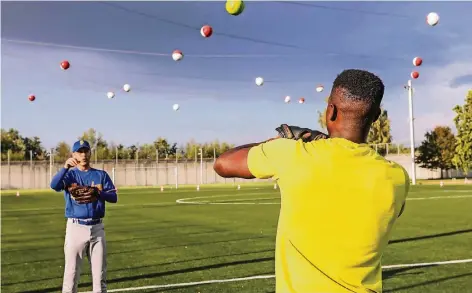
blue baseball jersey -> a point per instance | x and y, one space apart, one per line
91 177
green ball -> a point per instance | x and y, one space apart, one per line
235 7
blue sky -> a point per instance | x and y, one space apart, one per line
217 95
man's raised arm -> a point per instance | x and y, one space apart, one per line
257 160
233 163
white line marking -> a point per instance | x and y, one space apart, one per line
438 197
273 276
412 265
250 200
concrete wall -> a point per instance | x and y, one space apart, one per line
422 173
24 175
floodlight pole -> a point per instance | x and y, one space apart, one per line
412 132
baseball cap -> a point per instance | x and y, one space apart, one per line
80 144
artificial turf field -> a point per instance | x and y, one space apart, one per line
155 241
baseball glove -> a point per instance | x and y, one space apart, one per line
296 133
84 194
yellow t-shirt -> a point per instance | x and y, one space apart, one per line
339 201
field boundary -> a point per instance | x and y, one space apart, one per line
259 277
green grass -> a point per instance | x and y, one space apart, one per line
153 240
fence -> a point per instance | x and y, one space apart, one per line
37 175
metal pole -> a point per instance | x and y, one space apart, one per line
201 166
196 160
9 170
50 165
214 160
412 132
116 157
32 175
157 167
176 168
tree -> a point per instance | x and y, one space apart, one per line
97 143
94 138
463 151
447 143
165 149
12 141
322 117
62 152
380 131
147 152
437 150
191 149
34 145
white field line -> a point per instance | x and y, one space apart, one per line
439 197
184 201
250 200
117 205
273 276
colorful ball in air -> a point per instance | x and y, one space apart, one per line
432 19
235 7
31 98
319 88
126 87
65 65
110 95
177 55
417 61
415 74
301 100
206 31
287 99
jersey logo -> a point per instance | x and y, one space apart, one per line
99 186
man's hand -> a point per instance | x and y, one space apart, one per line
84 194
296 133
71 162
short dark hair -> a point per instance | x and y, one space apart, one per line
360 86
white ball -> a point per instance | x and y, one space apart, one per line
259 81
177 55
319 88
126 87
176 107
287 99
110 95
432 19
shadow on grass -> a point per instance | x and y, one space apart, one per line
146 266
435 281
161 274
430 236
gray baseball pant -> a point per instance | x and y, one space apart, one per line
84 239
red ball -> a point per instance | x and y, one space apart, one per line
206 31
65 65
417 61
415 74
31 98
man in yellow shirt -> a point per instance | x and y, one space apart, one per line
339 198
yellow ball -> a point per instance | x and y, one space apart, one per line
235 7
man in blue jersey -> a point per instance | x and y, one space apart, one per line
85 233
